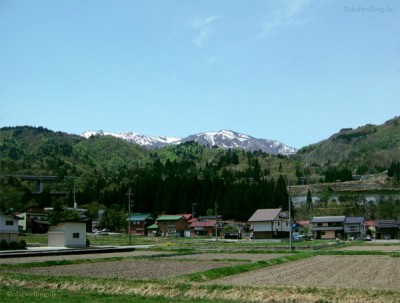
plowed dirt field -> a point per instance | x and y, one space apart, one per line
327 271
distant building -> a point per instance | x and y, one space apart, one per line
329 227
387 229
34 220
270 223
139 223
67 234
171 225
8 227
71 233
203 228
354 227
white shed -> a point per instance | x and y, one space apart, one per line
8 227
67 234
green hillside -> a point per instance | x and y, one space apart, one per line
172 179
366 150
169 179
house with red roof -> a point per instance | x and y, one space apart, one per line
202 228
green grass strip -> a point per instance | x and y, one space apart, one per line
217 273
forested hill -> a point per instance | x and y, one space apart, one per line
174 178
166 180
366 149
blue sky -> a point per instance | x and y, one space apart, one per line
294 71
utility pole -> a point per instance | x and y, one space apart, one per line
193 205
75 204
216 222
129 194
290 216
366 218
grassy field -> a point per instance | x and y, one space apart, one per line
123 240
57 281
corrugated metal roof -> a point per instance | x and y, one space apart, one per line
186 216
203 224
385 224
140 217
169 218
328 219
268 214
351 220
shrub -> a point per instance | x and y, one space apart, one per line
22 244
4 245
13 245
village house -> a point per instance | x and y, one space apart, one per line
171 225
387 229
34 220
153 230
354 228
270 223
203 228
8 227
139 223
329 227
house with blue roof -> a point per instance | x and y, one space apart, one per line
138 223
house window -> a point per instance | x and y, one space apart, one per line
279 223
9 222
286 224
75 235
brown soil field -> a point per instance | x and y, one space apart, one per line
387 248
362 272
129 269
144 253
165 267
136 253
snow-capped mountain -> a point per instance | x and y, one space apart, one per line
231 139
222 138
148 142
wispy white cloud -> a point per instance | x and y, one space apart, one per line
203 29
287 16
297 7
199 23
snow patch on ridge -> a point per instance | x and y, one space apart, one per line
223 138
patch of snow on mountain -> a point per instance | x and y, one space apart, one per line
223 138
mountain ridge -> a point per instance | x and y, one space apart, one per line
225 138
